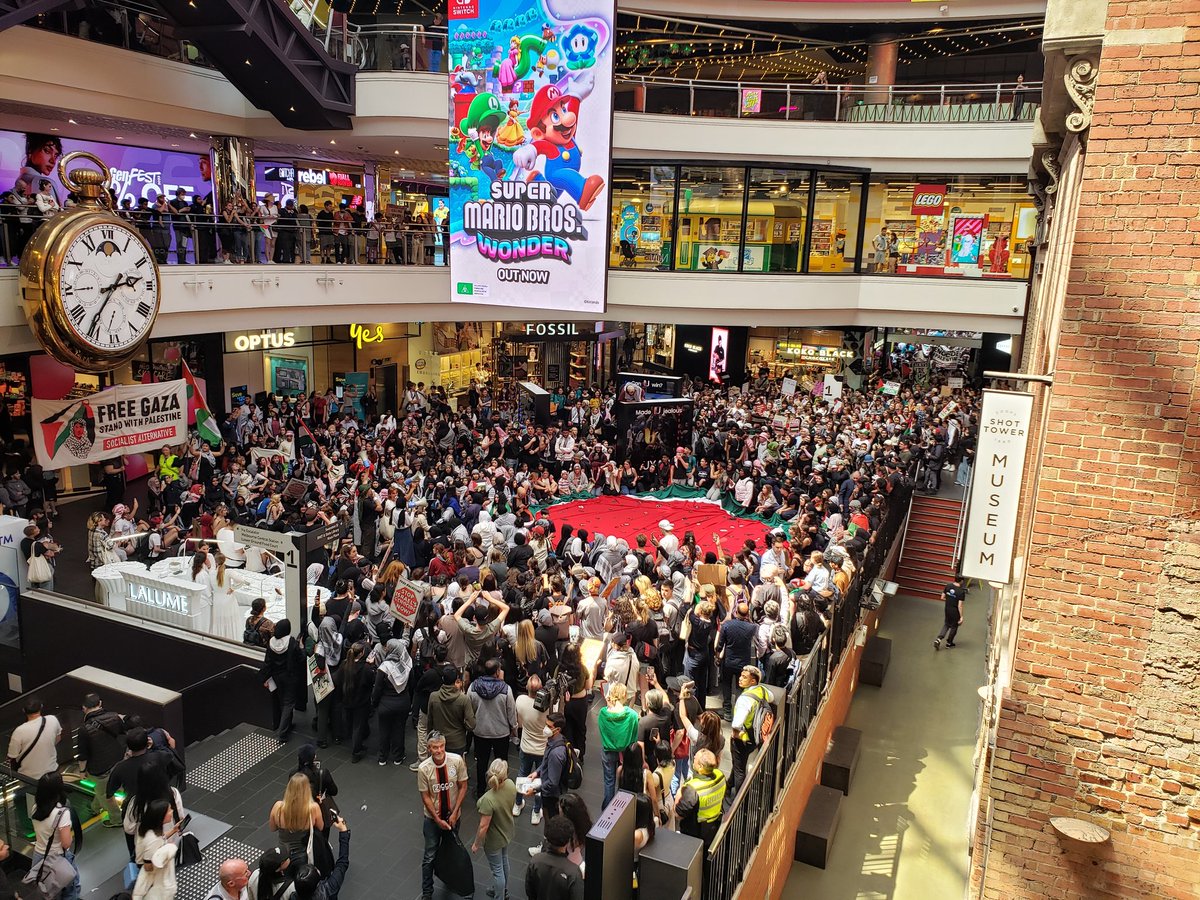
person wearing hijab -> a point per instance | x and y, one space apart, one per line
391 699
330 646
320 779
284 673
486 530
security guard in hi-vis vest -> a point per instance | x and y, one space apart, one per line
709 785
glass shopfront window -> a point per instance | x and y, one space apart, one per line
779 198
955 226
643 199
710 220
834 229
780 220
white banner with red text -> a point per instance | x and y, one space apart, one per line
128 418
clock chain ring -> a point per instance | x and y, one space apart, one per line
88 183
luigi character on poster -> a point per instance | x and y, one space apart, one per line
478 135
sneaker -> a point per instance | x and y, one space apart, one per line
401 761
535 850
948 644
937 644
383 762
537 818
517 808
414 767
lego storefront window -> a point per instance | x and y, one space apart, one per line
976 226
834 228
710 222
642 204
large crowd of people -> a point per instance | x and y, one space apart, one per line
524 619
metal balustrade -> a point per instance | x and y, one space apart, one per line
768 772
410 47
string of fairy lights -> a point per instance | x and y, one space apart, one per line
651 45
675 49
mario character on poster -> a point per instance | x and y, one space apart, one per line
529 151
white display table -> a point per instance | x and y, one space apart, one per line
174 600
110 582
166 593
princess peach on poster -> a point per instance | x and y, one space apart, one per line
507 75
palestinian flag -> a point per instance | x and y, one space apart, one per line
198 411
61 428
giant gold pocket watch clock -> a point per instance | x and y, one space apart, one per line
89 281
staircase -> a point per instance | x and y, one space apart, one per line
927 561
267 53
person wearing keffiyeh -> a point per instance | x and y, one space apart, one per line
391 699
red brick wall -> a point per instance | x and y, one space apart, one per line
1103 721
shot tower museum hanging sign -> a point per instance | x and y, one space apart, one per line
996 485
530 149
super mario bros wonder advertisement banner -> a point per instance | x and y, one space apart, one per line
530 147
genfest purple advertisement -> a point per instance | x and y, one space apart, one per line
135 171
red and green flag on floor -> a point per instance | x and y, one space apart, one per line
198 412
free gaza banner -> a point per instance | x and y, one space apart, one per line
530 151
128 418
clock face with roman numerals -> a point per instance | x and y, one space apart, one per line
108 284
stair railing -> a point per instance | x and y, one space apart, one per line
912 501
961 533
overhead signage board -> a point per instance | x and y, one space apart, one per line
530 148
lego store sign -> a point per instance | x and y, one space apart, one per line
929 200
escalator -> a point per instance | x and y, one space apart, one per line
267 54
18 12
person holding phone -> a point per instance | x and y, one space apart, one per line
155 852
309 883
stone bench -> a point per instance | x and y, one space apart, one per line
841 759
817 826
875 659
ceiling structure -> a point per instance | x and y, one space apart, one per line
673 47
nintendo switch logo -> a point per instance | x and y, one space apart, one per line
464 9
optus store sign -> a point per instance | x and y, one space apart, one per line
929 199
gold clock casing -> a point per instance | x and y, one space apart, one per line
41 289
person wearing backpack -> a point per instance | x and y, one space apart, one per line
748 722
101 746
780 662
553 770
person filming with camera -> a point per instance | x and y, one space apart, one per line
532 709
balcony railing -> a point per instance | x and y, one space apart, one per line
768 772
401 47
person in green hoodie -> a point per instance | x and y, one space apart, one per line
618 725
451 713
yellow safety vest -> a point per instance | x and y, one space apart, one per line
711 792
169 465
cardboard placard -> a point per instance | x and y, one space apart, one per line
405 600
322 684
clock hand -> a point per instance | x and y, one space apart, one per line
110 292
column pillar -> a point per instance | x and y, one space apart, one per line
233 170
882 55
